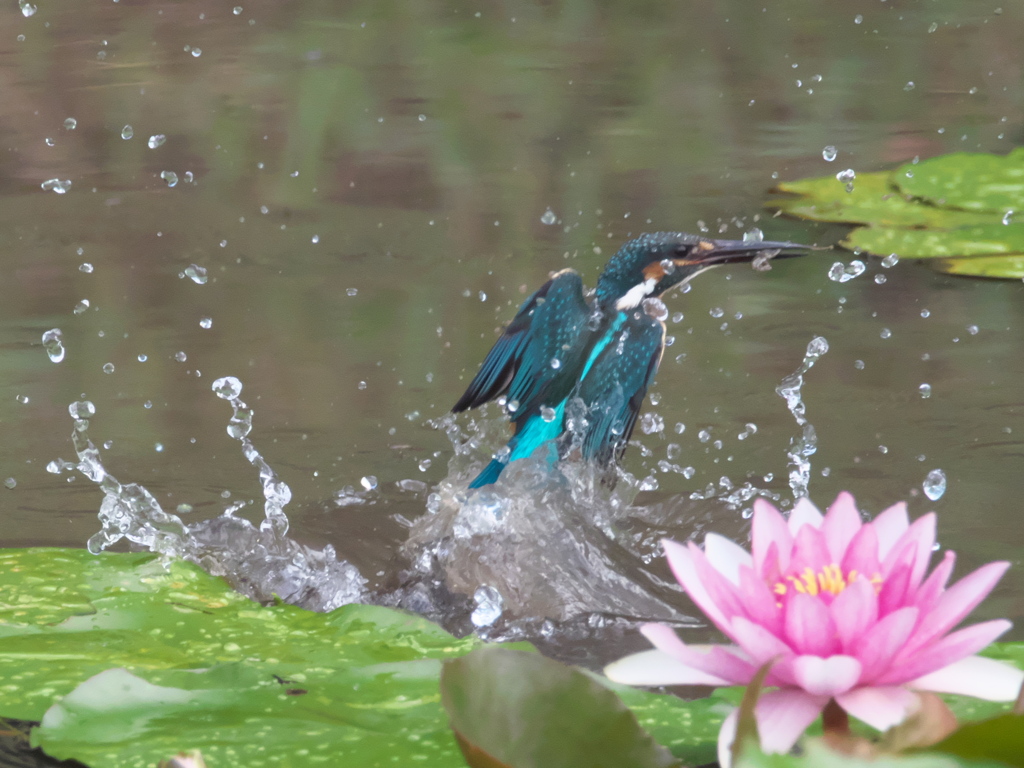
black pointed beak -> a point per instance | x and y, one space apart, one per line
733 251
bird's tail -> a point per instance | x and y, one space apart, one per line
489 475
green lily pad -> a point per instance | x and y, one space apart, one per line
988 240
520 710
874 201
1006 267
1000 738
817 755
965 180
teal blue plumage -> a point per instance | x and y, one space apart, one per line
601 352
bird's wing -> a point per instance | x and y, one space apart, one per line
616 384
549 326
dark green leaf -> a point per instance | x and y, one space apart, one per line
1001 738
521 710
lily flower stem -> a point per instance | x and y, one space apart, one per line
834 719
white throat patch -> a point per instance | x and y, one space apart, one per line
635 295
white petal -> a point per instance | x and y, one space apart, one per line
881 707
658 668
726 736
726 556
804 513
826 676
974 676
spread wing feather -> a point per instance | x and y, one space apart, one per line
551 325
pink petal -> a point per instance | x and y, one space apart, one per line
769 527
716 660
932 589
974 676
659 668
725 595
854 611
804 513
842 521
879 707
826 676
726 556
680 560
922 535
757 642
942 653
896 588
810 550
762 604
862 554
956 602
782 717
809 627
879 646
889 526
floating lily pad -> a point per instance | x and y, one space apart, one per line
966 180
988 240
956 209
874 200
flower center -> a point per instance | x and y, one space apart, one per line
829 579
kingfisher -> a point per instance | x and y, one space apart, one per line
598 350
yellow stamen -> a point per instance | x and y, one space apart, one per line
829 579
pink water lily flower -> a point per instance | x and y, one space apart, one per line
847 610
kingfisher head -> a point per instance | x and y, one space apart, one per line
651 264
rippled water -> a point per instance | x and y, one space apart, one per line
362 194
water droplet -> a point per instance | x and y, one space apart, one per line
158 447
649 483
82 409
315 239
196 273
925 390
840 273
143 358
237 10
547 413
925 313
49 142
23 399
555 363
53 345
108 367
127 132
829 153
148 404
10 483
422 118
548 217
197 52
170 177
81 306
512 406
650 423
70 124
704 435
748 430
880 278
972 329
227 387
27 9
424 465
934 485
716 312
886 333
489 606
156 140
858 19
57 185
352 291
909 86
181 357
86 267
932 27
369 482
677 317
846 177
206 322
1008 218
753 235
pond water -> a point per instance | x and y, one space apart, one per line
367 187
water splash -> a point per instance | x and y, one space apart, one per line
803 447
262 563
53 345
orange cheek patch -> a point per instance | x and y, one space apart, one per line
654 271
